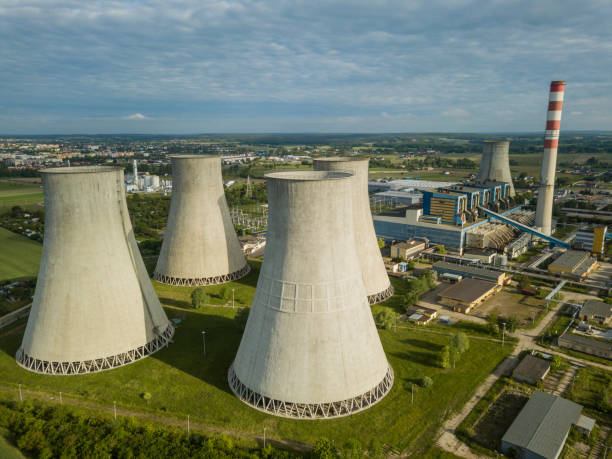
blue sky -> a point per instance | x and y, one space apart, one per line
191 66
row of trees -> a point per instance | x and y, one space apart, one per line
450 354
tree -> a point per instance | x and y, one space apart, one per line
381 243
460 342
492 323
352 449
425 381
440 249
323 449
199 297
241 317
385 319
555 363
444 357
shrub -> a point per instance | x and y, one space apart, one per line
199 297
425 381
385 319
323 449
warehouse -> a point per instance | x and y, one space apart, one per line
468 293
573 262
497 277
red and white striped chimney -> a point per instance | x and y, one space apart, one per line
543 219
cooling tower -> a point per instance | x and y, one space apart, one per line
94 307
495 164
200 245
310 348
546 192
377 285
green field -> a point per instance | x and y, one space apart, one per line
19 194
7 450
181 381
19 256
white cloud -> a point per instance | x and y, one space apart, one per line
136 116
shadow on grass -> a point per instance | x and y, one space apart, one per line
219 342
423 358
427 345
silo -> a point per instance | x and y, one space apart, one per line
495 164
200 245
94 307
310 348
377 285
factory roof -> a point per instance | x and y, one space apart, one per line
578 262
543 424
420 184
585 341
596 308
468 290
409 244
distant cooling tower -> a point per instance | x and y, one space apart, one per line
310 348
546 192
377 285
200 245
495 164
94 307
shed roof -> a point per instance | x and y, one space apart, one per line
468 269
585 341
532 368
542 425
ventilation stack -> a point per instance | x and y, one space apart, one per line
377 285
495 164
200 245
94 307
546 192
310 348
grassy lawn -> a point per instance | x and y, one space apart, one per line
181 381
7 450
591 388
244 290
19 256
19 194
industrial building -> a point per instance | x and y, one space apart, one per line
472 272
573 262
377 284
200 246
596 311
404 197
408 249
541 428
592 240
94 307
310 349
406 183
467 293
585 344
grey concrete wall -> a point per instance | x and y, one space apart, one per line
200 241
93 297
310 336
372 266
495 164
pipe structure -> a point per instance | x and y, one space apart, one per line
200 246
495 164
310 348
94 307
377 284
546 192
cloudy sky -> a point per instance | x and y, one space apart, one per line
198 66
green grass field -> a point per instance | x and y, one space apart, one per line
19 194
19 256
181 381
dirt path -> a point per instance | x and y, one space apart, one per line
150 417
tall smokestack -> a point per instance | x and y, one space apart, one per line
549 159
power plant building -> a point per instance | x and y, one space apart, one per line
377 284
310 348
200 246
94 307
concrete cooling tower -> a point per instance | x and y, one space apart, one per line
94 307
377 285
310 348
495 164
200 245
